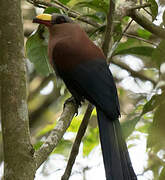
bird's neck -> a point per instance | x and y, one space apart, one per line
69 46
54 38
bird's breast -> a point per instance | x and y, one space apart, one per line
68 53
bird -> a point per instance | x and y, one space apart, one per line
83 68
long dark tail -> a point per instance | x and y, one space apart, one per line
115 154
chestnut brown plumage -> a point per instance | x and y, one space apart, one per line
82 66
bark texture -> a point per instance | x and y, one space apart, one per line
18 151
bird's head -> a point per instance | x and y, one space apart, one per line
51 19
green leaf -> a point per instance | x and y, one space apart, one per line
99 30
144 128
97 5
90 141
131 145
36 52
51 10
151 104
46 129
75 124
36 47
158 55
144 33
98 17
64 1
101 16
129 126
117 31
154 9
64 147
124 47
162 174
92 16
157 131
139 50
38 145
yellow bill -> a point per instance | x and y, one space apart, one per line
44 17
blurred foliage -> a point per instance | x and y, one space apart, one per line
36 51
135 47
142 110
153 9
144 33
97 5
158 52
90 140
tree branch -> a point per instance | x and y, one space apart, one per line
139 38
132 72
145 23
70 12
140 6
109 28
65 7
76 145
115 45
18 151
56 134
131 11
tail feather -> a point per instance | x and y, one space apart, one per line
128 172
115 154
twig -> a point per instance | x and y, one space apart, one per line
56 134
147 11
83 19
126 28
140 6
118 41
76 145
60 4
132 72
65 7
139 38
70 13
146 24
45 3
109 28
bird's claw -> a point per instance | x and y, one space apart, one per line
75 103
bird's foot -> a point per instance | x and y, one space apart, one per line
75 103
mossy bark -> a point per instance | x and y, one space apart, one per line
18 152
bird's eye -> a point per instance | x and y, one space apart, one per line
60 20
